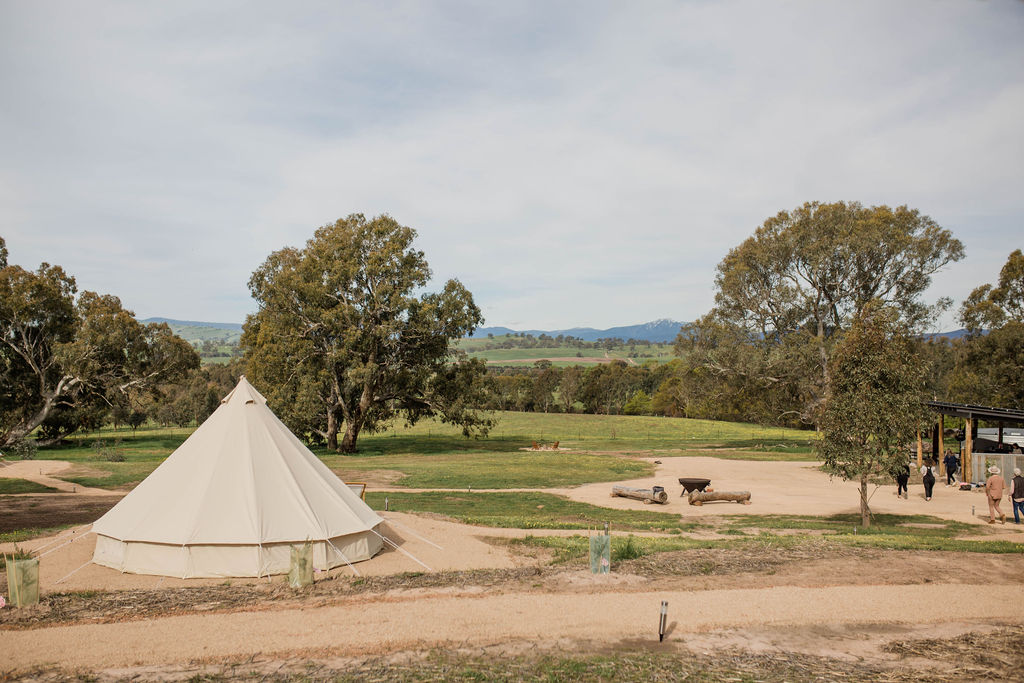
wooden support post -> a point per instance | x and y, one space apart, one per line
942 449
920 449
968 433
1000 433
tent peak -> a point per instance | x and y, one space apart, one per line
244 393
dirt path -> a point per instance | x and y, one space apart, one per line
44 472
367 625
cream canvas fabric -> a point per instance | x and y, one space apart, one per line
232 500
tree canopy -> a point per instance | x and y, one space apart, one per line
990 361
785 294
991 307
875 403
342 340
62 358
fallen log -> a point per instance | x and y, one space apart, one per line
699 497
652 495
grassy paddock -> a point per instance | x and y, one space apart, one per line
20 535
23 486
608 432
527 510
498 470
888 534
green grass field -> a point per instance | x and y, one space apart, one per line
888 534
609 433
23 486
527 510
497 470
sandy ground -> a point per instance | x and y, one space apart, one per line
704 612
369 626
789 488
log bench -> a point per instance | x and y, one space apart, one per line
655 494
701 497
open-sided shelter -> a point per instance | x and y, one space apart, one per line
233 500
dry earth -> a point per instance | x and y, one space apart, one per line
842 608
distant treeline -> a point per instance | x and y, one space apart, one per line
523 340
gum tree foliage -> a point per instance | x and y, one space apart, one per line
342 341
875 403
784 294
607 387
64 362
990 360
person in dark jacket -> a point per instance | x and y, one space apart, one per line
1017 495
902 477
952 464
928 478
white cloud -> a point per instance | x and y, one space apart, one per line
572 163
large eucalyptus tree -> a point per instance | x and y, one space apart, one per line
59 354
344 340
785 295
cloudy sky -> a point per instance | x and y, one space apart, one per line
573 163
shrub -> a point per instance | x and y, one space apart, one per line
18 553
628 551
23 449
109 453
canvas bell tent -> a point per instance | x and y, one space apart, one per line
233 500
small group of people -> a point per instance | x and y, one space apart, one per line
994 487
928 476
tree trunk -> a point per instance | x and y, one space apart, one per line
348 441
332 430
24 428
865 513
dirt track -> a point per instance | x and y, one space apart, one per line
366 626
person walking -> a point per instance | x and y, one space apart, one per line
952 465
994 490
928 478
902 477
1016 495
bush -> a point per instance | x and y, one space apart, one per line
630 551
18 553
111 453
23 449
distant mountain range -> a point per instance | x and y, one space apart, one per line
663 330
